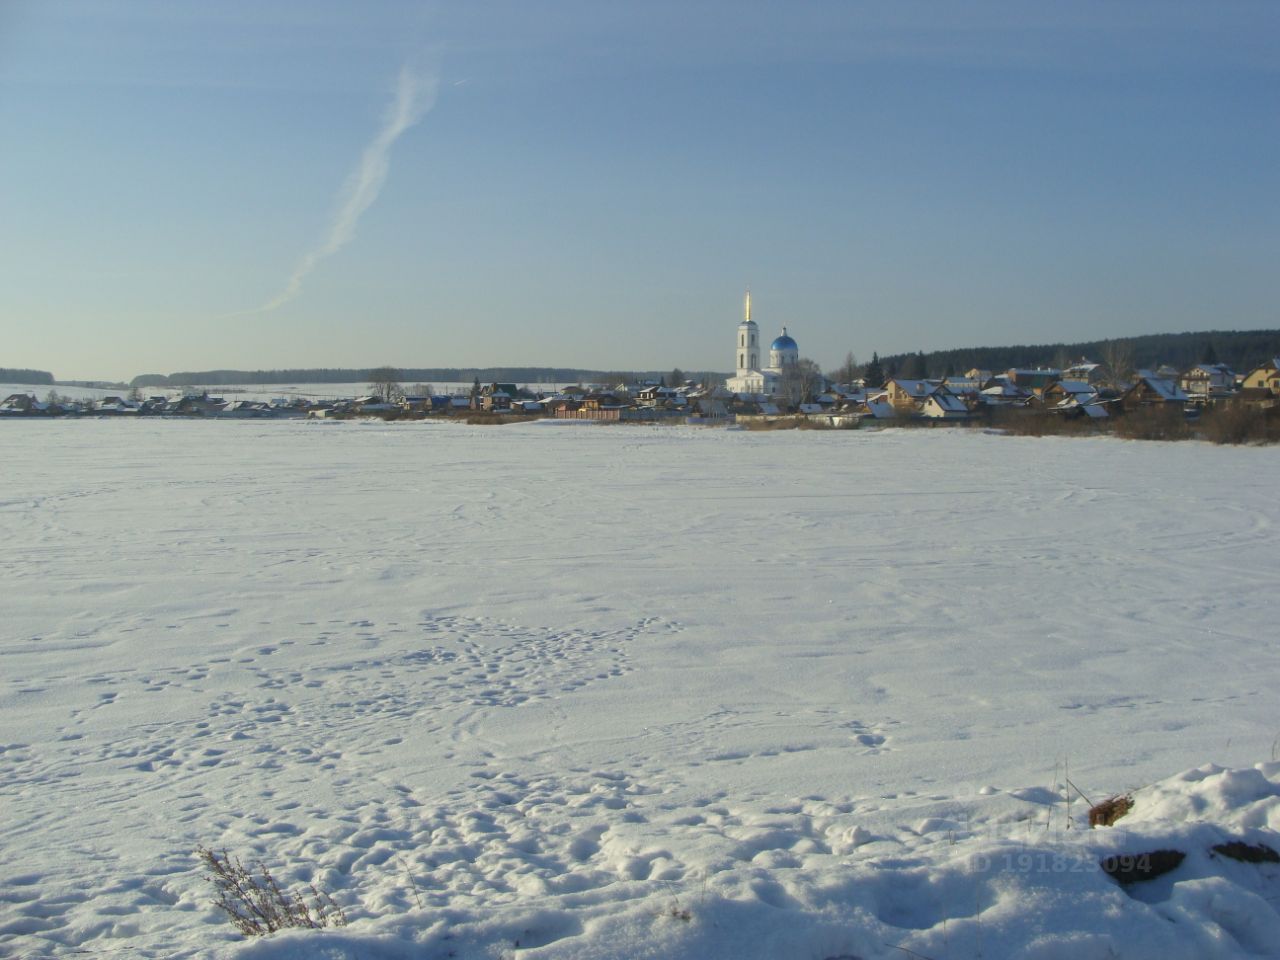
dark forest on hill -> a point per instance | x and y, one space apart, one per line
406 375
1239 349
20 375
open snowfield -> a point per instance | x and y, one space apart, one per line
568 691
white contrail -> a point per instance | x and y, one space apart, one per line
415 94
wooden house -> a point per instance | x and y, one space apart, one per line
909 395
1208 381
1263 381
1085 371
1034 381
1150 390
944 405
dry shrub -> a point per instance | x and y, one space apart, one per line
256 905
781 422
1238 421
1030 422
1106 813
1157 421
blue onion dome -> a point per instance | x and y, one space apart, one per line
783 342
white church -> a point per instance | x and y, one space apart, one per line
751 379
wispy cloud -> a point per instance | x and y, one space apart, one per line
415 94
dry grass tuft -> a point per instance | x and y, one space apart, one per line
257 906
1106 813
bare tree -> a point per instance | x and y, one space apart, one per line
1117 356
848 371
384 383
800 381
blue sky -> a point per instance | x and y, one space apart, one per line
596 183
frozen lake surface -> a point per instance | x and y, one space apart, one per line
539 690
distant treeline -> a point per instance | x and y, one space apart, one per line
1239 349
406 375
18 375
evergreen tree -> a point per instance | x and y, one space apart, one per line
873 375
1208 354
913 367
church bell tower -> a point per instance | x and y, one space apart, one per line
748 347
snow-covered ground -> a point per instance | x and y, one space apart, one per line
566 691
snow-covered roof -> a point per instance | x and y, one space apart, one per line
1085 367
917 388
1221 369
948 402
1164 388
1076 387
1004 389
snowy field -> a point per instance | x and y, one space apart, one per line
568 691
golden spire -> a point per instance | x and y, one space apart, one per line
748 306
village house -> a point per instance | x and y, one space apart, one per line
596 405
496 397
249 410
1077 390
656 393
1208 381
1085 371
944 405
968 389
1076 398
925 398
22 405
1034 381
1150 390
909 395
113 406
875 406
1263 381
1002 393
195 405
